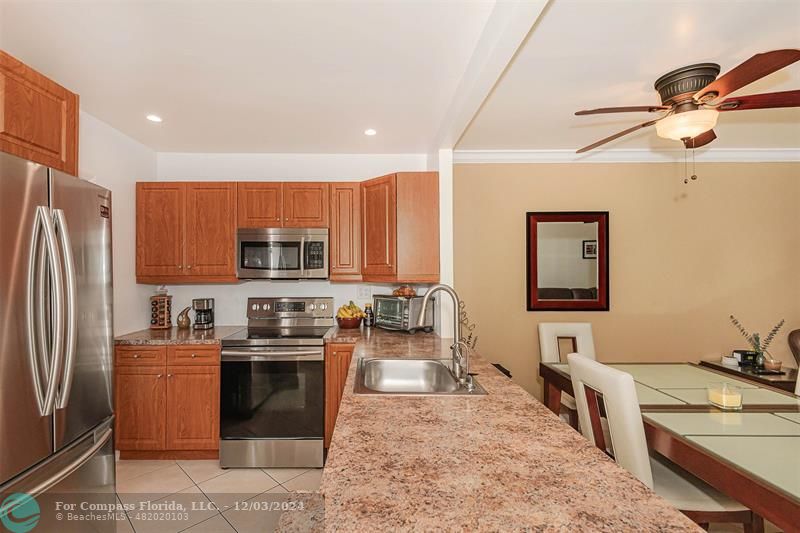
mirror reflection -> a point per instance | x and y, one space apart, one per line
567 264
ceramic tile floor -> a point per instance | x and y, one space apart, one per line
208 494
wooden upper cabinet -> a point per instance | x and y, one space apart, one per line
211 229
400 228
305 205
379 227
185 232
160 229
260 205
418 227
345 232
38 117
192 408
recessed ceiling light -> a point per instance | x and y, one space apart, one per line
153 118
370 132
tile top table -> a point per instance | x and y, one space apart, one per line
765 445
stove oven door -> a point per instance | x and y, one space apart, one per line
272 393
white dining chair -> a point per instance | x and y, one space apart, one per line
797 385
595 383
550 336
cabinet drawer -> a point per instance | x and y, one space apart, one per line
198 354
141 355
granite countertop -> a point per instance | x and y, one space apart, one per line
497 462
177 336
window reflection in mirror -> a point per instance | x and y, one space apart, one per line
567 260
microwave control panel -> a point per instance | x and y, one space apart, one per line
315 255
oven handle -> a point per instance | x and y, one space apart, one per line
244 356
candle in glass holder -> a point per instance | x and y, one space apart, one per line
725 396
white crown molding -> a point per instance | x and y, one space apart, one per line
718 155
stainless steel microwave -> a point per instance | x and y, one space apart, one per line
401 314
282 253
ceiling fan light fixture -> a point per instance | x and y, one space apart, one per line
687 124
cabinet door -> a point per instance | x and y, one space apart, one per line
337 364
140 397
38 117
379 227
418 227
192 408
211 229
260 205
345 233
160 235
305 205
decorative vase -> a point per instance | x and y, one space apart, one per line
760 359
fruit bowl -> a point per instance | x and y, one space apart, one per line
349 323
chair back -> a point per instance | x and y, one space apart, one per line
550 333
594 382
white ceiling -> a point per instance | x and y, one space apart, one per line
245 76
596 53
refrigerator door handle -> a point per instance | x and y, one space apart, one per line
43 223
72 309
57 478
57 281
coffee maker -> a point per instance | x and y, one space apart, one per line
203 313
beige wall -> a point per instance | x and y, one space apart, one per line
682 257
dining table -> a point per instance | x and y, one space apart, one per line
752 454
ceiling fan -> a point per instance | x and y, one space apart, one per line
691 98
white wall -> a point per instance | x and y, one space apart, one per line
284 167
115 161
230 300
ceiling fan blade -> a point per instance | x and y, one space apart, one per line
746 73
617 136
628 109
700 140
761 101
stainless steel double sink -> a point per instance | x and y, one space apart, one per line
417 377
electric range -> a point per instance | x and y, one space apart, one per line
272 394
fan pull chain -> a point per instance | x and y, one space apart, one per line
693 177
685 164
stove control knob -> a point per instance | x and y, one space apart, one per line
311 307
323 306
254 307
265 307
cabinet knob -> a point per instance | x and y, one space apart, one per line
136 356
194 355
189 267
180 267
159 376
169 375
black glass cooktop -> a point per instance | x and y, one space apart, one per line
295 335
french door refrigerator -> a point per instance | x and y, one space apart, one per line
55 350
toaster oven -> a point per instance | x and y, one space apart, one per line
401 314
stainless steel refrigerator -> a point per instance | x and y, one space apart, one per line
55 343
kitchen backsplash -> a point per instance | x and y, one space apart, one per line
230 301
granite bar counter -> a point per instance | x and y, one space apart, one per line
486 463
177 336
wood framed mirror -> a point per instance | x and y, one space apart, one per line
567 255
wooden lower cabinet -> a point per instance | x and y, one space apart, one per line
141 401
193 408
167 410
337 364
